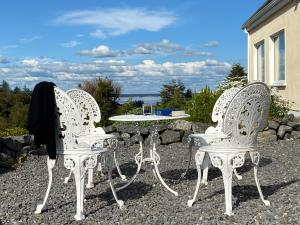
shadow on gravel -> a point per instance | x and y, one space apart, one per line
135 190
128 169
246 193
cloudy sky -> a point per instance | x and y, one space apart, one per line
137 43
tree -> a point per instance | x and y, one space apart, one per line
237 77
106 93
172 94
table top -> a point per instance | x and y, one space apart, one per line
136 118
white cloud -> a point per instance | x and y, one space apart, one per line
29 40
212 44
102 51
70 44
98 34
5 47
118 21
145 77
30 62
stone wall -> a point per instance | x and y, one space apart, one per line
279 129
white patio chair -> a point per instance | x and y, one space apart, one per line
245 116
212 134
90 114
80 152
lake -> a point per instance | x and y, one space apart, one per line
149 99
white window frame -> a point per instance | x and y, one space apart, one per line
273 82
262 42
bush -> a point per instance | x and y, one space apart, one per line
201 105
106 93
279 106
17 131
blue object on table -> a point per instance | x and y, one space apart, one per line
164 112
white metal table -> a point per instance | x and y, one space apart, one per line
154 157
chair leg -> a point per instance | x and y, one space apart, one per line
255 160
123 177
90 183
205 166
68 177
79 172
50 165
119 202
191 143
227 179
198 160
239 177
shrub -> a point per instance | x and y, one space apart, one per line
201 105
279 106
17 131
106 93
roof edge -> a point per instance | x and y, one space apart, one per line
264 12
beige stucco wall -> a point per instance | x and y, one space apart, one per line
288 19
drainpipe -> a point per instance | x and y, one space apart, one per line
248 54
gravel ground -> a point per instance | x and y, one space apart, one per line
147 202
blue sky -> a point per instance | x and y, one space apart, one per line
139 44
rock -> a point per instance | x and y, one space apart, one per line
148 140
170 136
290 117
282 130
198 127
287 136
267 136
125 136
295 134
13 143
272 124
117 135
180 125
294 125
159 127
109 129
135 139
131 129
185 137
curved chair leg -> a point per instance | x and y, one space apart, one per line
205 166
90 183
255 160
198 160
120 202
190 158
68 177
155 162
123 177
138 160
239 177
50 165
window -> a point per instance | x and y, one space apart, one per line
277 58
260 61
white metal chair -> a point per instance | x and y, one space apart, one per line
90 114
80 152
245 116
212 134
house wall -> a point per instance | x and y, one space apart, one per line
288 19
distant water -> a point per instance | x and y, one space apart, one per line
146 99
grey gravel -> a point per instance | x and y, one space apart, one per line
147 202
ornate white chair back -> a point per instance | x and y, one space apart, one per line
247 114
69 124
88 107
220 109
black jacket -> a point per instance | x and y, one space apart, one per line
42 116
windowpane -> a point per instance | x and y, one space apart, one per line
260 62
279 57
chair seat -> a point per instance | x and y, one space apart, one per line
221 148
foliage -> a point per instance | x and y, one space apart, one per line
129 106
279 106
201 105
173 95
17 131
14 106
106 93
237 77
